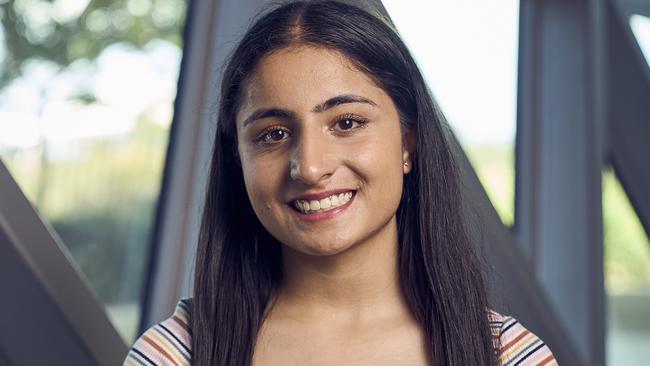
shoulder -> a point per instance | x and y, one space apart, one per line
517 345
167 343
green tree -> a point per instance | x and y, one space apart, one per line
55 31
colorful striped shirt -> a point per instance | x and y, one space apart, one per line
517 345
170 342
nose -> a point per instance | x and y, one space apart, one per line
312 160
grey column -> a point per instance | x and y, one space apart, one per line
562 109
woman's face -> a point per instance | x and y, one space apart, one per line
321 151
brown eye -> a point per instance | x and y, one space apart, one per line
273 135
346 124
277 135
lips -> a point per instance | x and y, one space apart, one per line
320 195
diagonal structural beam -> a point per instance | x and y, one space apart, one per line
629 113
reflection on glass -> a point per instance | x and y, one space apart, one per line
467 50
627 278
641 28
86 100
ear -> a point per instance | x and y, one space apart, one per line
408 150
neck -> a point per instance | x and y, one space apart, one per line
364 276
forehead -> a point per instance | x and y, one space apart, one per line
300 77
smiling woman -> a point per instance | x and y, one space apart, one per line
332 230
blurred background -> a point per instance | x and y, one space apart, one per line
87 93
89 90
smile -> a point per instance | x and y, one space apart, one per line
309 207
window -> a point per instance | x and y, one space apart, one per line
641 28
86 101
627 278
467 51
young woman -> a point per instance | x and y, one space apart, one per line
332 231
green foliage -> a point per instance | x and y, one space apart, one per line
494 165
37 29
627 247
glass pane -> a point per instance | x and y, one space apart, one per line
467 50
627 277
641 28
86 101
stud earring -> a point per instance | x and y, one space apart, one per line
406 164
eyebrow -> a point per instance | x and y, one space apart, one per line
328 104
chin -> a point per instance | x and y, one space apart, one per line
322 249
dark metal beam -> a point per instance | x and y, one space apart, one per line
629 114
630 7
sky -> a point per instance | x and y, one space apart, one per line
467 51
126 82
641 29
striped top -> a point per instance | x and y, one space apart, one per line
169 343
517 345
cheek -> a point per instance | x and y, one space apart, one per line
260 184
380 165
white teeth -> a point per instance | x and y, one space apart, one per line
314 205
324 204
334 200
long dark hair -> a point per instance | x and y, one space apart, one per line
238 264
